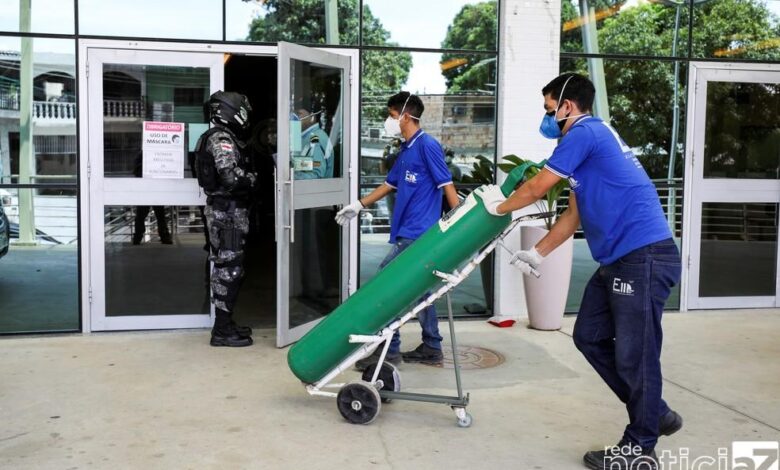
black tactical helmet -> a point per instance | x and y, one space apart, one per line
230 109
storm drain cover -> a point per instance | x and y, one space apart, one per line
472 357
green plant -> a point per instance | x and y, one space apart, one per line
513 161
482 172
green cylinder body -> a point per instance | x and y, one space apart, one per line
395 289
389 294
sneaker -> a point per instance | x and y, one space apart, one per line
424 354
670 423
624 456
367 361
230 337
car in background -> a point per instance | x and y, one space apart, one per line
5 230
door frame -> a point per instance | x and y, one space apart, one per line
83 47
698 76
293 195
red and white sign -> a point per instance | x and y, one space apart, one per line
163 149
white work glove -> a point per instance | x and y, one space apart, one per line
349 212
491 196
527 261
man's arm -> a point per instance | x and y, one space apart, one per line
563 228
530 192
451 195
378 193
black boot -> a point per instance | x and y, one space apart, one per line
242 330
225 332
228 336
670 423
623 456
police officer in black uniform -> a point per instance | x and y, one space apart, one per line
223 170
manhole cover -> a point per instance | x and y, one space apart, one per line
472 357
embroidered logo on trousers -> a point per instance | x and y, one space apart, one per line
622 288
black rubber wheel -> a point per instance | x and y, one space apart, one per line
359 402
389 376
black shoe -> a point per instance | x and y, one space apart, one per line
670 423
624 456
241 330
136 241
166 239
228 336
364 363
424 354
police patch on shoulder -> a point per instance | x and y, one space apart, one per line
226 146
314 139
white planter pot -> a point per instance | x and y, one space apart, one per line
546 296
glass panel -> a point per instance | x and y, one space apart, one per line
315 259
742 134
46 16
738 249
447 24
654 28
316 120
737 29
155 261
133 94
41 85
39 267
179 19
299 21
624 90
457 91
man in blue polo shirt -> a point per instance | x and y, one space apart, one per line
419 176
618 328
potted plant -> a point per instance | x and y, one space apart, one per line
545 295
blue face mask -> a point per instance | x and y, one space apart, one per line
549 127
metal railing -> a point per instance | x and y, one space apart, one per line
58 110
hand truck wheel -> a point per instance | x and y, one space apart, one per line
388 374
359 402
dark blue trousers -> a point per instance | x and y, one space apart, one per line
427 318
618 330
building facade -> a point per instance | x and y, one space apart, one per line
692 86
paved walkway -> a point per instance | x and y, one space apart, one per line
167 400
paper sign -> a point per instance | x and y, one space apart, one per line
163 149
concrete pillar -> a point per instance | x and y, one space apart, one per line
26 147
529 47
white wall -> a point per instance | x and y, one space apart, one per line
528 59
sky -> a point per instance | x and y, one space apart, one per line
413 23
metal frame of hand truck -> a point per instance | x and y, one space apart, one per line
371 342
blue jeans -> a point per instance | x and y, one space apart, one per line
427 317
618 330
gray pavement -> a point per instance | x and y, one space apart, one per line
167 400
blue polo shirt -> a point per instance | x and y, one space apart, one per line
618 204
418 175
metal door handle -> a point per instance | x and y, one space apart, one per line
291 214
276 205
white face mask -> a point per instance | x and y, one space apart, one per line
393 125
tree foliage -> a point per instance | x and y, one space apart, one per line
302 21
473 28
641 91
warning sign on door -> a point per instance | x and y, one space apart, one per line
163 149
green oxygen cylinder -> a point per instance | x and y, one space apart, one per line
389 294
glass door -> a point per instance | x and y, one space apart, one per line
733 187
312 182
148 264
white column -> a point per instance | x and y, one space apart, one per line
529 41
